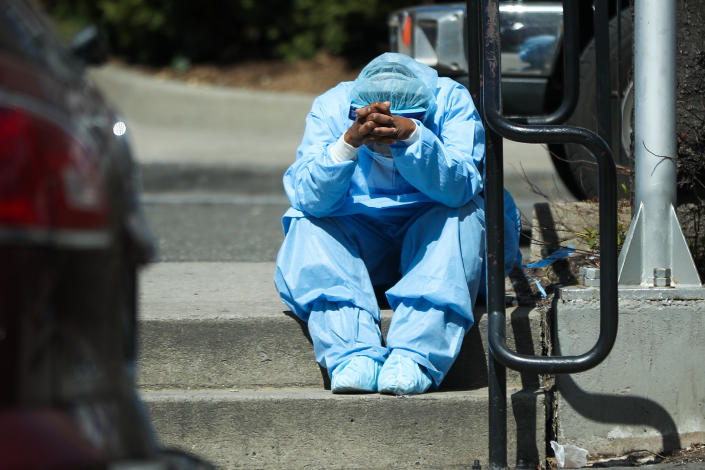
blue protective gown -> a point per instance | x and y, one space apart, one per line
414 221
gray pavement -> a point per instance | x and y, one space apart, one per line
215 227
177 123
265 429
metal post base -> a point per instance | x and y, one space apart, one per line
634 269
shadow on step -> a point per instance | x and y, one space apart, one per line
470 368
304 330
618 409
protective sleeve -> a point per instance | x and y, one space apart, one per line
316 183
447 167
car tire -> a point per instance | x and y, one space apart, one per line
574 164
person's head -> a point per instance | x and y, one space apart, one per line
407 84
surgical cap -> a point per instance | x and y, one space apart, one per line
394 82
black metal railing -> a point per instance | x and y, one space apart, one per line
484 43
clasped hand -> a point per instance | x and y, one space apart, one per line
375 123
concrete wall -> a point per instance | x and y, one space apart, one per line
649 393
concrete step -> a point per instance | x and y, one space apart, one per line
215 325
301 428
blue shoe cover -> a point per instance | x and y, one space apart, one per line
356 376
401 375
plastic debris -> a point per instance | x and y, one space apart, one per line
569 456
547 261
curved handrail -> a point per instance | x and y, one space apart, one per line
494 194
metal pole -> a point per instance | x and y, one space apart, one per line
496 371
655 253
655 120
494 216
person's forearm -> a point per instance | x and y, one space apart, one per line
318 184
445 173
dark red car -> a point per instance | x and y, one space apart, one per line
72 237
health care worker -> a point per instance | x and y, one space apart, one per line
386 190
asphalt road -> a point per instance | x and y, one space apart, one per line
207 227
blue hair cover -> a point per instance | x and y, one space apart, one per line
396 78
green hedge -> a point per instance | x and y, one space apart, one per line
157 31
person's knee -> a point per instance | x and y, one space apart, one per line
470 217
304 232
306 226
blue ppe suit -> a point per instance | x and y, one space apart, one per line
414 221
